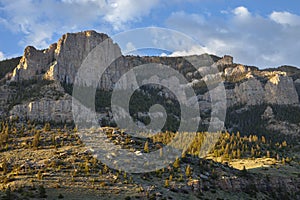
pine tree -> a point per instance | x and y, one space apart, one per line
5 166
252 152
277 157
160 152
176 164
283 161
284 143
167 183
36 140
183 154
47 127
234 154
188 171
39 175
146 147
216 153
226 149
263 139
238 153
87 167
268 154
238 135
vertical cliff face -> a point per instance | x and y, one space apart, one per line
247 86
72 49
34 63
250 92
62 60
60 63
281 90
45 110
253 92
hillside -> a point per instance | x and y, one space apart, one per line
60 104
55 158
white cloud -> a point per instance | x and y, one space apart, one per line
1 56
285 18
122 11
194 50
241 12
252 39
161 39
39 21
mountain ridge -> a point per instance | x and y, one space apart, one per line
57 66
255 157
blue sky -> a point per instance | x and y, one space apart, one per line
265 33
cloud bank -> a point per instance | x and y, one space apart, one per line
252 39
261 40
39 21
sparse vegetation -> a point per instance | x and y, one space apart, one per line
56 151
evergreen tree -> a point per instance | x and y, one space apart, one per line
263 139
238 153
146 147
36 140
167 184
176 164
188 171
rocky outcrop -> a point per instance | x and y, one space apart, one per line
45 110
72 49
281 90
252 92
277 186
268 114
6 96
275 125
34 63
249 92
61 61
226 60
235 71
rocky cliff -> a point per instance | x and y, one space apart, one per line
245 86
45 110
61 60
253 92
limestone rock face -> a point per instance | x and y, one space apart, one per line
281 90
262 184
235 71
72 49
250 92
61 61
6 96
226 60
45 110
33 63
